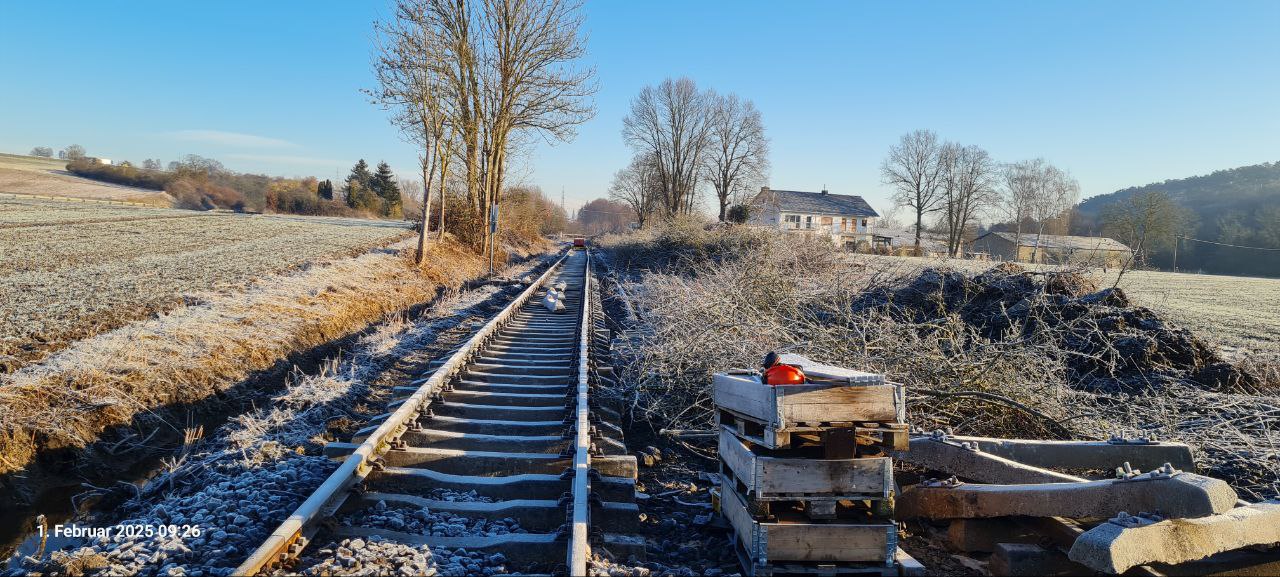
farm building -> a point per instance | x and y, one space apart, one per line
901 240
1052 248
845 218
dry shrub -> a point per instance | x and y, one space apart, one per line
1003 353
684 243
200 194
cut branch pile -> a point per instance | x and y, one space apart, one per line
1002 353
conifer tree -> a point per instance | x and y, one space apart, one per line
385 186
325 189
359 183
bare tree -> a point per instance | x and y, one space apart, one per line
1144 220
42 151
1057 194
912 169
639 186
671 123
737 157
530 83
1039 192
968 176
73 152
468 78
152 164
1021 184
603 215
409 67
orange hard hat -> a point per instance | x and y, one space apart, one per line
780 374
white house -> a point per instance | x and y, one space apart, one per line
846 218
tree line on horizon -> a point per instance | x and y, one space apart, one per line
201 183
1225 222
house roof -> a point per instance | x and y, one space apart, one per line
819 203
1062 242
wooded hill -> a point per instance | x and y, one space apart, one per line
1237 206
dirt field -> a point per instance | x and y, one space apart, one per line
48 177
1241 314
72 270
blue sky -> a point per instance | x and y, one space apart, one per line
1119 93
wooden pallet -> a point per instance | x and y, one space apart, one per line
802 541
840 439
779 411
821 486
905 566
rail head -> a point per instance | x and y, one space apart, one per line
279 546
578 544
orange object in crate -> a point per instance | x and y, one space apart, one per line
776 373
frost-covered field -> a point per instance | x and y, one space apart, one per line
71 270
1242 313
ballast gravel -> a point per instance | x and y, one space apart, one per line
375 556
421 521
217 525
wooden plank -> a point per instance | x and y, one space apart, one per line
738 457
789 408
779 478
790 541
744 395
848 403
829 542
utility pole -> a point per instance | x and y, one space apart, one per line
1176 239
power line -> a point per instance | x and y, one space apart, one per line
1230 245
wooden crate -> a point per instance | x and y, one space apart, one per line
803 541
769 415
906 566
843 439
778 478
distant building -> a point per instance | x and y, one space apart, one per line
1052 248
901 240
845 218
97 160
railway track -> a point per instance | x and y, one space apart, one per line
506 420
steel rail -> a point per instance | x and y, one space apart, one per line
578 546
283 542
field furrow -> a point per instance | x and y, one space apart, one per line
70 271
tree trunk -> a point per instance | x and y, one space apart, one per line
427 172
444 178
919 225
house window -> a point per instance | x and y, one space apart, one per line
808 222
791 221
864 223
